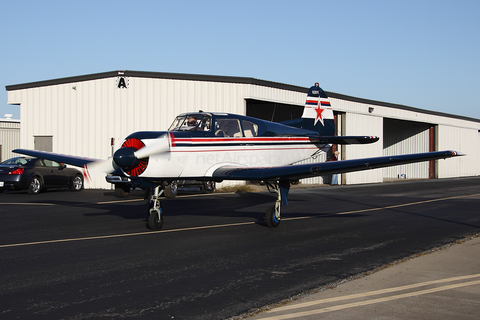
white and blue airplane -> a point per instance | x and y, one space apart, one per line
214 146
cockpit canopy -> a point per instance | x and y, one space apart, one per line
192 122
215 125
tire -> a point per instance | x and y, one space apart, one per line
208 186
122 190
155 218
270 218
171 190
77 183
35 185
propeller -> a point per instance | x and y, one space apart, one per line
103 166
132 157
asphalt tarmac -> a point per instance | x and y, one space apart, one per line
89 255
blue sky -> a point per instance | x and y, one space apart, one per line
423 54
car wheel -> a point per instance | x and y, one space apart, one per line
77 183
35 185
171 190
209 186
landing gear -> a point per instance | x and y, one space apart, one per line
272 216
155 212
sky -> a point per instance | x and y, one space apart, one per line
422 54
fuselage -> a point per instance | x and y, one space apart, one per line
219 140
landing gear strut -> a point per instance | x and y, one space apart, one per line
272 216
155 216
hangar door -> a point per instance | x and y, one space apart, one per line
404 137
273 111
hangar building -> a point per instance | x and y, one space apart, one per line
9 137
90 115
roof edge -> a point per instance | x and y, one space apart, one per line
397 106
225 79
157 75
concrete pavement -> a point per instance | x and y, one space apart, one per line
444 284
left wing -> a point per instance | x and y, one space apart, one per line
62 158
295 172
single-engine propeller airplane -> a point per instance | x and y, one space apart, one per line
221 146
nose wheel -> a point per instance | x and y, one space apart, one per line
155 212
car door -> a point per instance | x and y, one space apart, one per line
58 175
44 172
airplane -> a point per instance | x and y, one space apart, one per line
215 146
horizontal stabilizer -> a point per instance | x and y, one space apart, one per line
345 139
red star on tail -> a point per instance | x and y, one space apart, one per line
319 111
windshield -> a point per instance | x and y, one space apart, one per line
191 123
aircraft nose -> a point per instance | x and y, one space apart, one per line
125 158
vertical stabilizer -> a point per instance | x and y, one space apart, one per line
317 113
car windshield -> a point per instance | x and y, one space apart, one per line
191 123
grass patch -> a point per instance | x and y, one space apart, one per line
237 188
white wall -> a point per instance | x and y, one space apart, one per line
83 116
363 125
9 138
462 140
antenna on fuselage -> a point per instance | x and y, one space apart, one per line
274 107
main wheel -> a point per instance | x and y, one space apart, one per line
270 217
35 185
155 218
209 186
77 183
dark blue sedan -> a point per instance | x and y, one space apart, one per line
35 175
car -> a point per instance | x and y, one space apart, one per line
36 175
123 185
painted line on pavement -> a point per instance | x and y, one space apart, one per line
369 302
373 293
221 225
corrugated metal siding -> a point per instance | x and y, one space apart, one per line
404 137
83 116
9 138
362 124
462 140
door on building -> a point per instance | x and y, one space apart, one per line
405 137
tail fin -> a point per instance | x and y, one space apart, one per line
317 114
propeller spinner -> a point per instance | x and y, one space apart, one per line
133 156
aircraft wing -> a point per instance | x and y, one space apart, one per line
294 172
62 158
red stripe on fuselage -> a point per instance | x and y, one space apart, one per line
241 139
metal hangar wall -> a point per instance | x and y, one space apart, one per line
82 115
9 137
